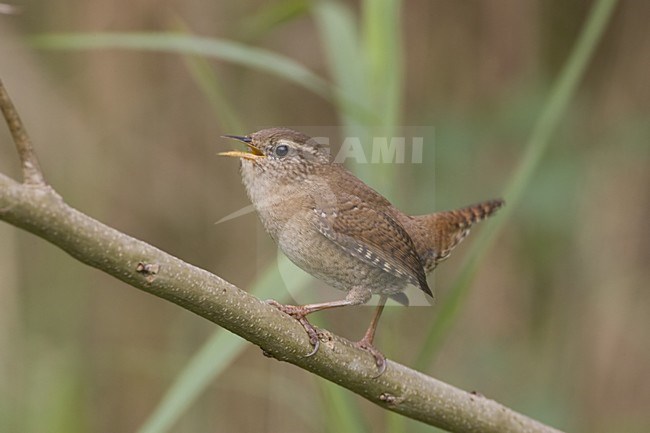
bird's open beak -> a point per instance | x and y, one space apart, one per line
253 153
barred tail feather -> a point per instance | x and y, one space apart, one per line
445 230
470 215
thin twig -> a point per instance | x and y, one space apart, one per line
32 174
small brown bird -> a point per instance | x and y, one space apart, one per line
337 228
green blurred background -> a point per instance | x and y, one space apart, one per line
556 322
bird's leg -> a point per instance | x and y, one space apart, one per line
299 312
355 296
366 342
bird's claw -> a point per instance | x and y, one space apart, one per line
298 312
380 359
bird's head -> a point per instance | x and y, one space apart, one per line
280 149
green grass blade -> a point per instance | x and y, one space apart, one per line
553 111
179 43
383 57
272 15
208 82
214 357
210 361
381 31
204 76
343 413
340 39
366 67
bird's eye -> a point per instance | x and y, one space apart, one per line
282 150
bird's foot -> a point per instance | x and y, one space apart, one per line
299 313
380 359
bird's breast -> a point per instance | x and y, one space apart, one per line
279 203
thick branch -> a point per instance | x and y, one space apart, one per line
32 173
41 211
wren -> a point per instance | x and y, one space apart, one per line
337 228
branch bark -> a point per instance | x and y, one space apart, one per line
36 207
